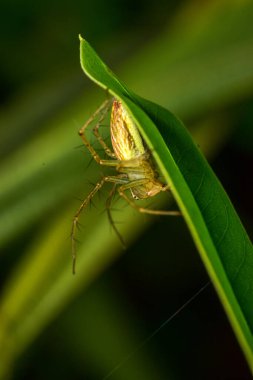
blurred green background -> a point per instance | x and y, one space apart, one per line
196 59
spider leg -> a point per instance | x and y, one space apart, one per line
145 210
103 111
76 218
108 210
86 142
113 179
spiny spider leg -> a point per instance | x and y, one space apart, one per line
76 218
109 214
104 110
88 144
114 179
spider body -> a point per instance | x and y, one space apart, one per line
135 169
129 146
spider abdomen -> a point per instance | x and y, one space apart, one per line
126 140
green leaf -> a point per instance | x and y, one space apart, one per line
216 229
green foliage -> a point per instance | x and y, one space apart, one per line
215 227
199 65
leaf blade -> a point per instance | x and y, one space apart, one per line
215 227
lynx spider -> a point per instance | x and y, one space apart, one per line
131 159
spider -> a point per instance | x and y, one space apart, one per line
130 157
